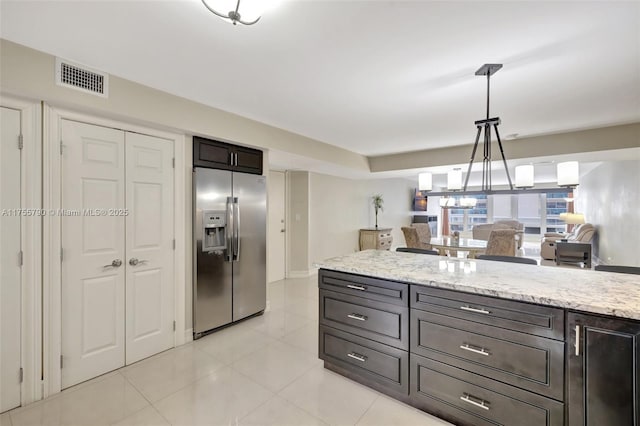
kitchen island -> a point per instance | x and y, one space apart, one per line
481 342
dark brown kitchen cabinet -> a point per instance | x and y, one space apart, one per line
603 374
221 155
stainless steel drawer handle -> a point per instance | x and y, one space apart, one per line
357 357
480 351
356 287
470 400
478 311
357 317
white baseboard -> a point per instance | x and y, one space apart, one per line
188 335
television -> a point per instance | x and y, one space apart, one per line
419 201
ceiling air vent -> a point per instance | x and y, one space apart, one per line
81 78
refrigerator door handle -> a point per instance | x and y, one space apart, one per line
236 230
230 227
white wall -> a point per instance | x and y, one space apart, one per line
609 197
339 207
297 183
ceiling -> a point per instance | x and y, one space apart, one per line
374 77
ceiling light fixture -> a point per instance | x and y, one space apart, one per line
524 176
488 70
425 181
567 172
233 15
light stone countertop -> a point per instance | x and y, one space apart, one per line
582 290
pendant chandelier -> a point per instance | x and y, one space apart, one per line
567 172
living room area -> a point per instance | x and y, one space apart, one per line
570 228
326 214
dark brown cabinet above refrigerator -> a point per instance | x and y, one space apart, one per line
224 156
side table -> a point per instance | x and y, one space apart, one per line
378 239
573 252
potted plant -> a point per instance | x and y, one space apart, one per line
377 205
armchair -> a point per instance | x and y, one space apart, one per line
582 233
412 239
424 233
483 231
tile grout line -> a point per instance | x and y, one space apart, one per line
146 399
368 408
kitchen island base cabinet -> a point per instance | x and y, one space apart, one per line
603 371
379 366
464 398
476 359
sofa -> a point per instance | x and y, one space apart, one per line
582 233
483 231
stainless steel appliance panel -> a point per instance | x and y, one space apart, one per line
212 272
250 264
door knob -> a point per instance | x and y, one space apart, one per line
282 230
133 261
115 264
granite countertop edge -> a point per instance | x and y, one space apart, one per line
616 295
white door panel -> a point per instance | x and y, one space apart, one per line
276 243
149 242
10 274
93 239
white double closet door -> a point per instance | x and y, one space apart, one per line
10 270
117 249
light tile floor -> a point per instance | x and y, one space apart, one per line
263 371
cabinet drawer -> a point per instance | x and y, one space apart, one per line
533 319
530 362
384 244
370 288
373 361
382 322
468 399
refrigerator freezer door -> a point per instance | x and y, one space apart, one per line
212 272
250 267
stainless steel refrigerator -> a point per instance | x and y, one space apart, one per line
229 233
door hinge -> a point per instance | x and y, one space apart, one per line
174 243
173 162
21 258
174 326
20 141
61 362
61 254
21 375
61 147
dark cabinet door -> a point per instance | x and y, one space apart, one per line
224 156
603 371
248 160
212 154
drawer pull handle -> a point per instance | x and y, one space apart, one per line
356 287
468 399
357 357
478 311
480 351
357 317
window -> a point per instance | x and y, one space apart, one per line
556 204
539 213
529 212
464 219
